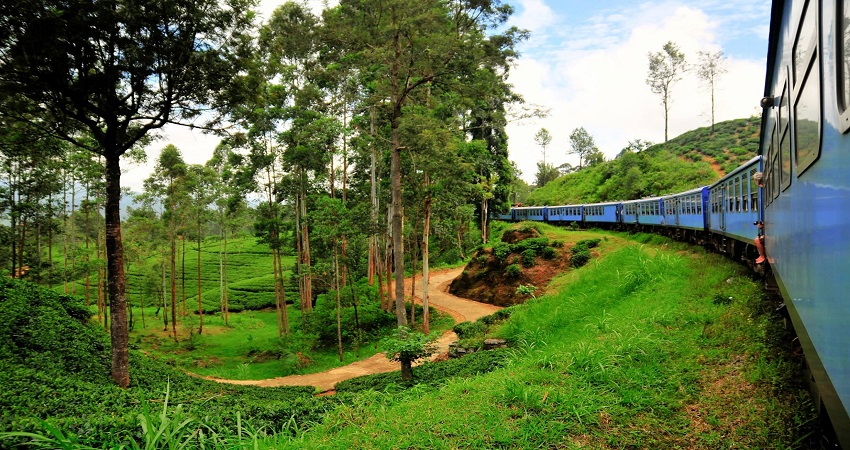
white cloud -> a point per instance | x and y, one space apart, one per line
600 84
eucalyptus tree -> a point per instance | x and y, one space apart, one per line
581 144
278 72
167 182
119 70
200 182
710 67
665 69
408 45
30 167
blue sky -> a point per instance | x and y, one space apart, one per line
586 62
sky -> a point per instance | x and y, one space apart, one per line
586 62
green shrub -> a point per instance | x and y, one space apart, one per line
528 258
513 271
368 321
501 251
536 244
466 330
580 258
549 253
589 243
557 243
430 373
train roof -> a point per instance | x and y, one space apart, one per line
641 200
692 191
742 168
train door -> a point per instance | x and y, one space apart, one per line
676 206
722 212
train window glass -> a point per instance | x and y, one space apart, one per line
754 191
807 119
843 67
804 45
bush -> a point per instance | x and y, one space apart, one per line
589 243
580 258
372 320
430 373
536 244
528 258
549 253
513 271
501 251
465 330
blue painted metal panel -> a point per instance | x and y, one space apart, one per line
565 213
687 209
807 214
734 202
602 212
534 213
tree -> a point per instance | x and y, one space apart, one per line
118 70
710 67
545 174
543 139
407 348
635 146
409 45
581 144
665 69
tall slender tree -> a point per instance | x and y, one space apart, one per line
665 69
710 67
119 70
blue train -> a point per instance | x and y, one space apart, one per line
723 214
802 198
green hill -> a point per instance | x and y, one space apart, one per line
693 159
249 274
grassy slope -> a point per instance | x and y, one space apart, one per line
648 346
695 158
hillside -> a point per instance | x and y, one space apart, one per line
249 271
646 347
693 159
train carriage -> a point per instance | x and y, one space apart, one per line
806 149
687 210
733 203
647 211
536 213
602 213
565 213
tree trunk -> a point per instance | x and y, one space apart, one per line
173 285
115 274
305 247
406 370
426 232
338 303
200 305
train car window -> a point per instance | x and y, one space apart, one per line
807 100
842 67
806 42
754 190
784 148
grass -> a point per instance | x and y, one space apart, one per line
633 352
652 344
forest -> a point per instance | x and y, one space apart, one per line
352 143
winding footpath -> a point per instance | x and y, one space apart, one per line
460 309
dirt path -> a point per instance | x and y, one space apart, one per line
459 308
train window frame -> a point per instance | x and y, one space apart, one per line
802 89
842 73
783 134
